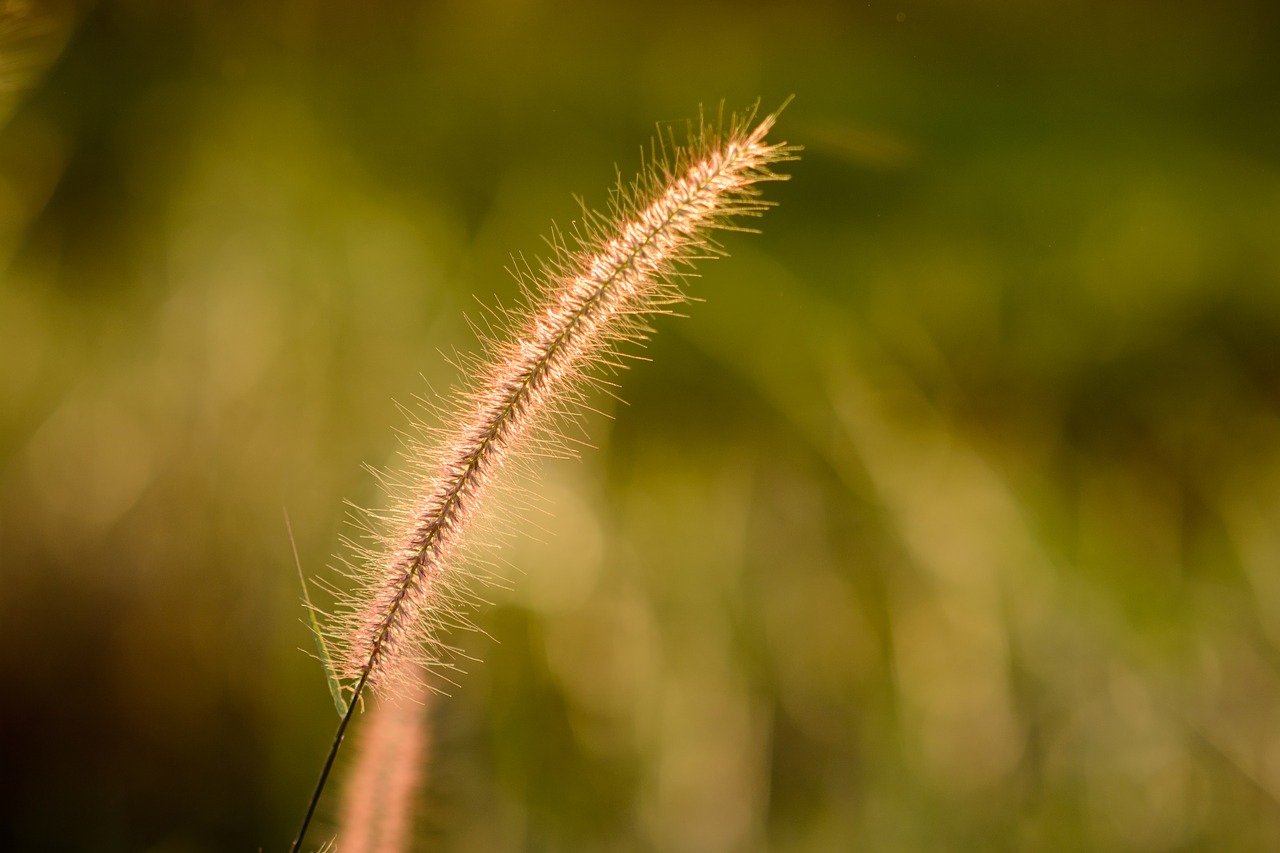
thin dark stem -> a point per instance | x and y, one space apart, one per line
328 762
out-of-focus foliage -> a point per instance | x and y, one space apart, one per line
949 520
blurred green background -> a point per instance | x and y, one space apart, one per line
949 520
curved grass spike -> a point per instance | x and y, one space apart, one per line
387 771
580 308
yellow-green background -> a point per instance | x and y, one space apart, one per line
948 520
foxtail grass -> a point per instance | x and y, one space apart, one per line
380 787
583 312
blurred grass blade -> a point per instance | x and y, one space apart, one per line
335 686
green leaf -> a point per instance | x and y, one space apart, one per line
335 685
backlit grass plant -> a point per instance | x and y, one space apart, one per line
581 313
